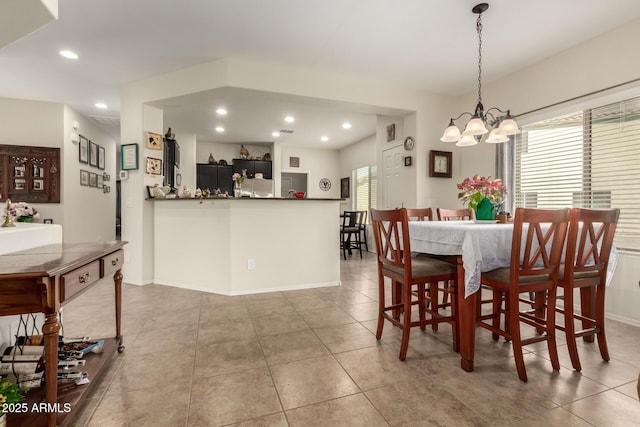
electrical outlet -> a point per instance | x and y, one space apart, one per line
251 264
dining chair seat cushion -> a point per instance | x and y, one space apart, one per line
577 274
502 275
423 266
351 229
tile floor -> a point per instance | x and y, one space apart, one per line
310 358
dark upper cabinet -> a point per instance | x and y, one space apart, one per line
214 176
252 167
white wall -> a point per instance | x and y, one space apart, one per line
317 164
89 213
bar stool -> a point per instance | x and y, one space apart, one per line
536 251
350 233
391 232
589 244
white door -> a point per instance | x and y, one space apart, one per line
392 186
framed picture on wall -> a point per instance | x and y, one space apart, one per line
83 150
440 164
129 157
154 141
101 159
84 177
154 166
93 154
391 132
345 187
93 179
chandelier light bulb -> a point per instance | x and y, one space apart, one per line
451 134
467 141
496 138
508 127
475 127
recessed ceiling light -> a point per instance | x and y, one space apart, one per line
221 111
219 129
324 139
68 54
346 125
101 105
275 134
289 119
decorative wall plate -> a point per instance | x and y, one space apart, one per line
325 184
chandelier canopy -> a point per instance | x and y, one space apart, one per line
503 125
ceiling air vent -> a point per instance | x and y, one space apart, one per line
285 131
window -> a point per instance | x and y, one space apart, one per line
587 159
366 188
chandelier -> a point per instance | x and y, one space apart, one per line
503 125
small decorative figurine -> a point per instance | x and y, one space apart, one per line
169 134
212 161
8 221
244 153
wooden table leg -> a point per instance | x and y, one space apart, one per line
117 282
50 331
467 312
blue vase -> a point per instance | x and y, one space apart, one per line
485 210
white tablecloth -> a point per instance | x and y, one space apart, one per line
483 246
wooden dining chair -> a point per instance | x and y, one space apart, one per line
350 233
589 243
426 214
536 251
454 214
394 260
420 214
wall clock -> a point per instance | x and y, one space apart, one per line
325 184
440 164
409 143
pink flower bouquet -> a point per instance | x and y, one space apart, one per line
473 190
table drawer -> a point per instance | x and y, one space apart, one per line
111 263
79 279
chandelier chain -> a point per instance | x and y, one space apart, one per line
479 30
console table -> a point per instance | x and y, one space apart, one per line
43 279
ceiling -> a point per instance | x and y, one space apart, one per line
421 44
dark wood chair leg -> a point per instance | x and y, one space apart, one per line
570 330
587 309
599 318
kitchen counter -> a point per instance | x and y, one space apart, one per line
243 246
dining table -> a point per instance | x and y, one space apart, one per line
478 246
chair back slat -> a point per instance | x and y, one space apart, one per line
590 239
454 214
391 237
538 242
420 214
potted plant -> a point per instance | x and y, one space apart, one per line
22 212
10 393
483 195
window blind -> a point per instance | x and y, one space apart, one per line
587 159
366 188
